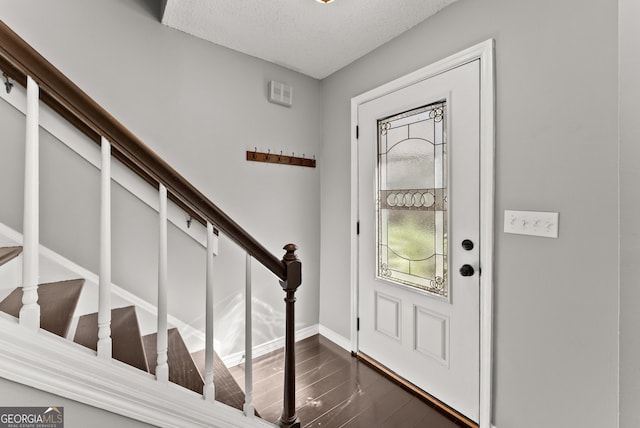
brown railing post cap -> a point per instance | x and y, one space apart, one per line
293 268
291 252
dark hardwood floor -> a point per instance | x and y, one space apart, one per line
334 389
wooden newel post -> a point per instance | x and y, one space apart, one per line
289 418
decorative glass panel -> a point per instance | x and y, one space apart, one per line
412 199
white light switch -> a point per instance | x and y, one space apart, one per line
531 223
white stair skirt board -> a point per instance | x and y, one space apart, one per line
76 373
7 242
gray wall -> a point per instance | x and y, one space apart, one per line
200 106
556 318
76 415
629 213
556 300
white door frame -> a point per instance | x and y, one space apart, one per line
485 53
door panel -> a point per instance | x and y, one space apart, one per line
418 200
432 334
388 312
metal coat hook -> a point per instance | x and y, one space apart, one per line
7 83
189 220
268 153
255 152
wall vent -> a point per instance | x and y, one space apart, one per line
279 93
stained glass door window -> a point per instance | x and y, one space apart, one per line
412 199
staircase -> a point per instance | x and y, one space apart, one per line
38 320
58 302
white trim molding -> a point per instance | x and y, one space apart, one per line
336 338
485 53
234 359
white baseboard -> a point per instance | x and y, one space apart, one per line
336 338
236 358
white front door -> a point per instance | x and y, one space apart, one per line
419 218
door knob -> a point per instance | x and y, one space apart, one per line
467 244
467 270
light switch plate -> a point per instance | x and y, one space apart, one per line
533 223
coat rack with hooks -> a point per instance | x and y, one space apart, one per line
280 158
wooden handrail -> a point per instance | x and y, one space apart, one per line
19 60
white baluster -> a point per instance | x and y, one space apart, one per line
104 286
30 311
212 251
248 345
162 367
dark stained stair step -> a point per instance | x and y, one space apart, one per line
227 389
9 253
182 368
125 336
57 300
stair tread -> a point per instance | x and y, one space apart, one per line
9 253
227 389
57 300
126 340
182 368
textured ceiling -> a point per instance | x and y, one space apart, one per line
304 35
